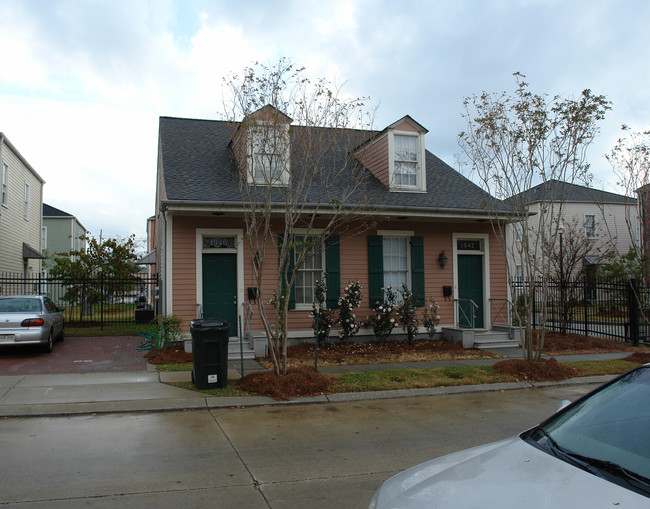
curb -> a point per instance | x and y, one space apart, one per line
216 402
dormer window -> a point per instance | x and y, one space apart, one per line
269 155
406 161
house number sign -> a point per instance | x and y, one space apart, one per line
218 242
469 245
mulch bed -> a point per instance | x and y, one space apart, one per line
296 383
545 370
171 355
640 357
374 352
557 344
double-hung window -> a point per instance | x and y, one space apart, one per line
396 259
590 226
26 211
270 155
5 184
396 262
310 270
406 168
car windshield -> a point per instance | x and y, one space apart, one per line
607 434
20 305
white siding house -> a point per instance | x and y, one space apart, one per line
21 202
607 222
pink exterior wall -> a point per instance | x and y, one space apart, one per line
354 266
406 126
375 158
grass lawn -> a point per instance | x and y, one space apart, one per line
420 378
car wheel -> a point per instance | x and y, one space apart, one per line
47 347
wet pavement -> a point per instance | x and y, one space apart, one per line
75 355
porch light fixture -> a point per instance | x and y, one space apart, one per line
442 259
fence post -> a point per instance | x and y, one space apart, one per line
585 304
101 300
633 309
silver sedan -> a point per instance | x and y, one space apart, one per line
30 320
593 453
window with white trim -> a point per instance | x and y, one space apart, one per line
396 262
5 184
26 211
310 271
43 238
406 167
270 155
406 161
590 226
518 231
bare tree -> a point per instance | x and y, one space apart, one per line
630 160
514 142
300 186
568 268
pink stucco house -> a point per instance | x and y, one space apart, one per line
432 230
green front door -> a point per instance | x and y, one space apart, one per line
220 288
470 286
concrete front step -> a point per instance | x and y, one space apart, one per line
490 340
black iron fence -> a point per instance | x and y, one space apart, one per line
92 301
615 309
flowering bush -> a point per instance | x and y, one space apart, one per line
383 321
431 317
323 319
406 313
351 299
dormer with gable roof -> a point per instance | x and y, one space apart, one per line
396 156
262 148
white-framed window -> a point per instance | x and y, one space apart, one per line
396 262
43 237
518 231
590 226
26 210
406 162
5 184
519 273
311 270
270 155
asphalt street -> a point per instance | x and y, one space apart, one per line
298 456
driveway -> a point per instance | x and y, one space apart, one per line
76 355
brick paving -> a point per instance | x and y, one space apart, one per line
75 355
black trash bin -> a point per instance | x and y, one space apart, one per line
210 353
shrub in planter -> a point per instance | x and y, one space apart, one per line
431 318
382 320
406 314
347 319
323 319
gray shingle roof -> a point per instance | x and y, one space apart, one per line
198 166
49 211
557 190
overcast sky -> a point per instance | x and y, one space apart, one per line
83 83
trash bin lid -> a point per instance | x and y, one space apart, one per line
209 323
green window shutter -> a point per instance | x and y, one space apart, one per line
292 293
333 271
417 269
375 269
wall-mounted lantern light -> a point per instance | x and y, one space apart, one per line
442 259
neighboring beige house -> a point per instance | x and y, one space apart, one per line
607 222
62 232
433 231
21 201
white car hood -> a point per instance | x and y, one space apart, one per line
510 474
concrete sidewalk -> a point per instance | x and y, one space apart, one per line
70 394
